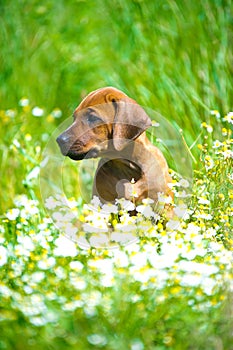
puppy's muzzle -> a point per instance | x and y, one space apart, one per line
74 148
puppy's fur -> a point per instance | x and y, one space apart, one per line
110 125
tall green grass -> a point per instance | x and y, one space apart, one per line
173 56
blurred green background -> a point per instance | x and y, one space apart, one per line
174 57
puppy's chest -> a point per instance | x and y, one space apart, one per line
111 177
119 169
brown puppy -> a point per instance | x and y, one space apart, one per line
110 125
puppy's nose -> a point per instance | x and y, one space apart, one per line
63 141
63 138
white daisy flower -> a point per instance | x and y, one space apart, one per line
37 112
217 144
12 214
51 203
65 247
229 118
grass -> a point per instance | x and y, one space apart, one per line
174 58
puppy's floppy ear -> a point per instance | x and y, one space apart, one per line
130 122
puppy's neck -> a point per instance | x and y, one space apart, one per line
142 151
137 151
143 140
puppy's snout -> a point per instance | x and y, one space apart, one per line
64 143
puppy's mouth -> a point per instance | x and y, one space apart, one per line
93 153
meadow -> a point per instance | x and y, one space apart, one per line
171 287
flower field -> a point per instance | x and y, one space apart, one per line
148 283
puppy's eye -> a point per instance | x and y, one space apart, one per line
93 119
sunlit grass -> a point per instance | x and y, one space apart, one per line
172 56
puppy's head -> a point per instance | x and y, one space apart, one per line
106 119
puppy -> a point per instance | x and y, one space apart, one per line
110 125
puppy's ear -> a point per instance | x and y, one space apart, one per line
130 122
